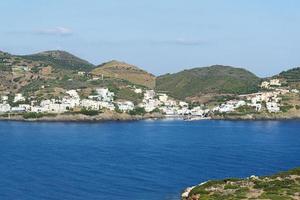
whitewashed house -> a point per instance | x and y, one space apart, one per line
4 108
4 99
183 104
265 84
272 107
125 106
107 105
18 98
90 104
105 94
275 82
163 97
149 94
138 91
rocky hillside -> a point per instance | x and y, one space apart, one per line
284 185
122 70
49 74
208 80
61 59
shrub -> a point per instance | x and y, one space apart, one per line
89 112
286 108
137 111
32 115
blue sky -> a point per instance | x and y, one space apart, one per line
160 36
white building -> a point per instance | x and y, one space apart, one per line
163 97
107 105
272 107
197 111
183 104
4 98
149 94
103 95
125 106
275 82
295 91
90 104
4 108
18 98
73 94
53 106
224 108
265 84
18 109
138 91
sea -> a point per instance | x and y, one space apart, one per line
137 160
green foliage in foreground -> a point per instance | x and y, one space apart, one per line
89 112
137 111
284 185
34 115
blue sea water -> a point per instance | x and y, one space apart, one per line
143 160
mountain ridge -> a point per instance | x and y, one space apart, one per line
21 70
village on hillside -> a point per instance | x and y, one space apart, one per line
268 100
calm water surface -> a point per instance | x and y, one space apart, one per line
137 160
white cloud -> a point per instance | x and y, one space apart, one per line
61 31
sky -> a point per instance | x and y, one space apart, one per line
160 36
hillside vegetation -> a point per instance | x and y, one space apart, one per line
281 186
61 59
51 71
292 77
121 70
214 79
48 74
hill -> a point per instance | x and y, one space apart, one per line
285 185
208 80
61 59
292 75
122 70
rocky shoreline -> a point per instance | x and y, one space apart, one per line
264 116
284 185
85 118
113 116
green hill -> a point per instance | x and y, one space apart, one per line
61 59
292 75
208 80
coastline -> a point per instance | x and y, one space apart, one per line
122 117
103 117
282 185
259 117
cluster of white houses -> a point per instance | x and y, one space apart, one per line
102 98
271 99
